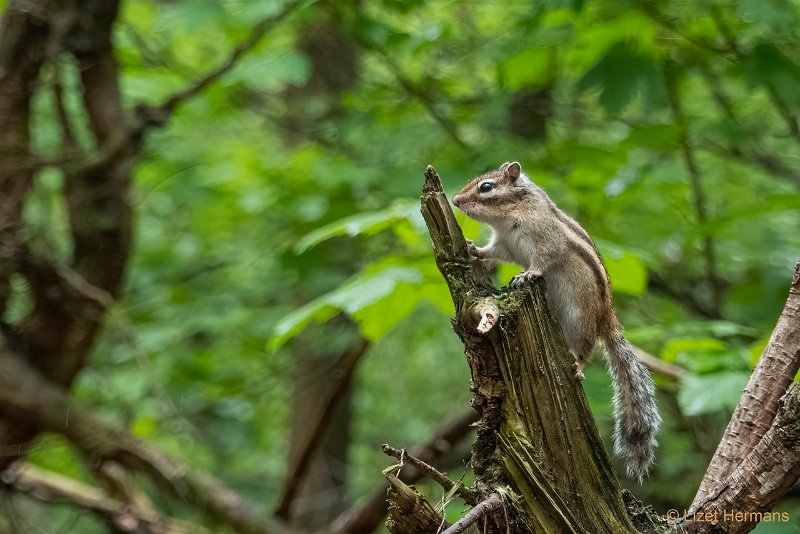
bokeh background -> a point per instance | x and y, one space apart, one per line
278 243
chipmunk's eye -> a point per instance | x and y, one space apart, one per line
485 187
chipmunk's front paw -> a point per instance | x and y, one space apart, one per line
473 250
525 276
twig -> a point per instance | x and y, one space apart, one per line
369 517
432 473
485 507
658 366
698 195
255 36
294 476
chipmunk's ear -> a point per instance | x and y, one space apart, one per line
504 166
512 170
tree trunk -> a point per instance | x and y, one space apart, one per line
324 362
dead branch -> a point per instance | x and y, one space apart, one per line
481 510
432 473
366 519
24 393
409 511
54 488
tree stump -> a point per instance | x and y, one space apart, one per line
537 445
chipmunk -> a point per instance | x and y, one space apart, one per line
531 231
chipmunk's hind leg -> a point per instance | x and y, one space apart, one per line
581 347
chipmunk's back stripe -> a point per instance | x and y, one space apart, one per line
593 262
573 225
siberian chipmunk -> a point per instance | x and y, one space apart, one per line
531 231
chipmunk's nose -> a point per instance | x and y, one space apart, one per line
457 200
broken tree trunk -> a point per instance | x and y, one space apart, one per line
537 445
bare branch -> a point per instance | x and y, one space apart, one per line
256 34
368 518
760 400
54 488
26 394
764 475
482 509
432 473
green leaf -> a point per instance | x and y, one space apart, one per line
288 327
270 71
375 283
621 75
770 67
655 136
630 28
711 393
534 66
780 14
627 272
678 349
382 315
367 223
705 355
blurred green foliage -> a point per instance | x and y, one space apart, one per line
283 195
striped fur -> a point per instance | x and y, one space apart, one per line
531 231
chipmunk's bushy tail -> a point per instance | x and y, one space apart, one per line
636 417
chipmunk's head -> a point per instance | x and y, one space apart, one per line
490 197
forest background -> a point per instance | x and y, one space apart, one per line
282 315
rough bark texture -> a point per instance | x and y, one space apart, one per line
368 518
760 399
758 459
537 444
765 475
409 511
59 331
